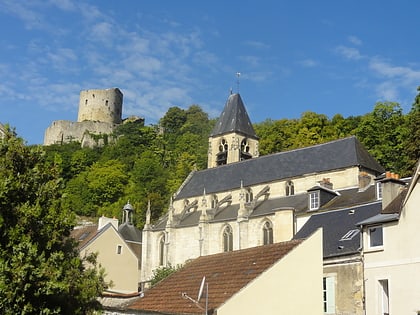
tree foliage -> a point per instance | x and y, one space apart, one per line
40 268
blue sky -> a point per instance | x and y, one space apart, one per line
294 56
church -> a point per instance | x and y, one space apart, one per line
244 200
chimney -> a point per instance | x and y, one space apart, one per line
103 221
325 182
391 187
364 180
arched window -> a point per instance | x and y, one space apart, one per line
267 233
249 196
227 239
162 250
290 188
221 158
214 201
245 155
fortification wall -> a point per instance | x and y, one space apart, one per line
65 131
101 105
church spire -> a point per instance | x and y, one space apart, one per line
233 138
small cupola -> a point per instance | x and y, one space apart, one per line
128 213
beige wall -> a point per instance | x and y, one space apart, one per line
348 276
398 262
284 289
121 269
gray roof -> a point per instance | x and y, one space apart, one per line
130 233
346 198
336 224
234 118
334 155
380 218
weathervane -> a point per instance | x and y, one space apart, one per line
238 74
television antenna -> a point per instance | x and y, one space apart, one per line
200 293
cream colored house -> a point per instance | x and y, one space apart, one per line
243 200
391 250
118 248
258 280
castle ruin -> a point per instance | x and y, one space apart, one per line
100 112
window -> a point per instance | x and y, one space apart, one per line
249 196
227 239
384 297
349 235
214 201
375 236
329 295
379 190
313 200
267 233
162 250
119 249
290 188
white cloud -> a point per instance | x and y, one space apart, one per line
257 44
349 52
355 40
308 63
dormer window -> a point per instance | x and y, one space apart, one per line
314 200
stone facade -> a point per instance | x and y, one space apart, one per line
100 112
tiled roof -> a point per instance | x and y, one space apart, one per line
225 273
338 224
234 118
84 234
130 232
334 155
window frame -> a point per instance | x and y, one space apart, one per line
372 244
119 249
227 236
268 237
328 294
314 200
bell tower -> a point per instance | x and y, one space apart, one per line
233 138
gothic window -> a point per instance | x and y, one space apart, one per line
267 233
249 196
214 201
162 250
290 188
245 155
221 157
227 239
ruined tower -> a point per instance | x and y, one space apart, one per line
101 105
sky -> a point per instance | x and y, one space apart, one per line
330 57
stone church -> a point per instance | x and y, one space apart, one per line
242 200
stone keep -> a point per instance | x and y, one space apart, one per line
99 113
101 105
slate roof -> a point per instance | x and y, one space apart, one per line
225 273
234 118
130 233
350 197
334 155
338 223
85 234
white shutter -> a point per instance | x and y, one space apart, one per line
330 286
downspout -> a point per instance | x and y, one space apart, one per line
362 256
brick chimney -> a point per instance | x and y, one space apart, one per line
391 187
326 183
364 180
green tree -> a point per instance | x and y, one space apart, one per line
384 132
413 139
40 268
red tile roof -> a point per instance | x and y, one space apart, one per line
225 273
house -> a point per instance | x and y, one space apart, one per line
342 259
243 200
257 280
118 248
391 250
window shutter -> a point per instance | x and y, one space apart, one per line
330 286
